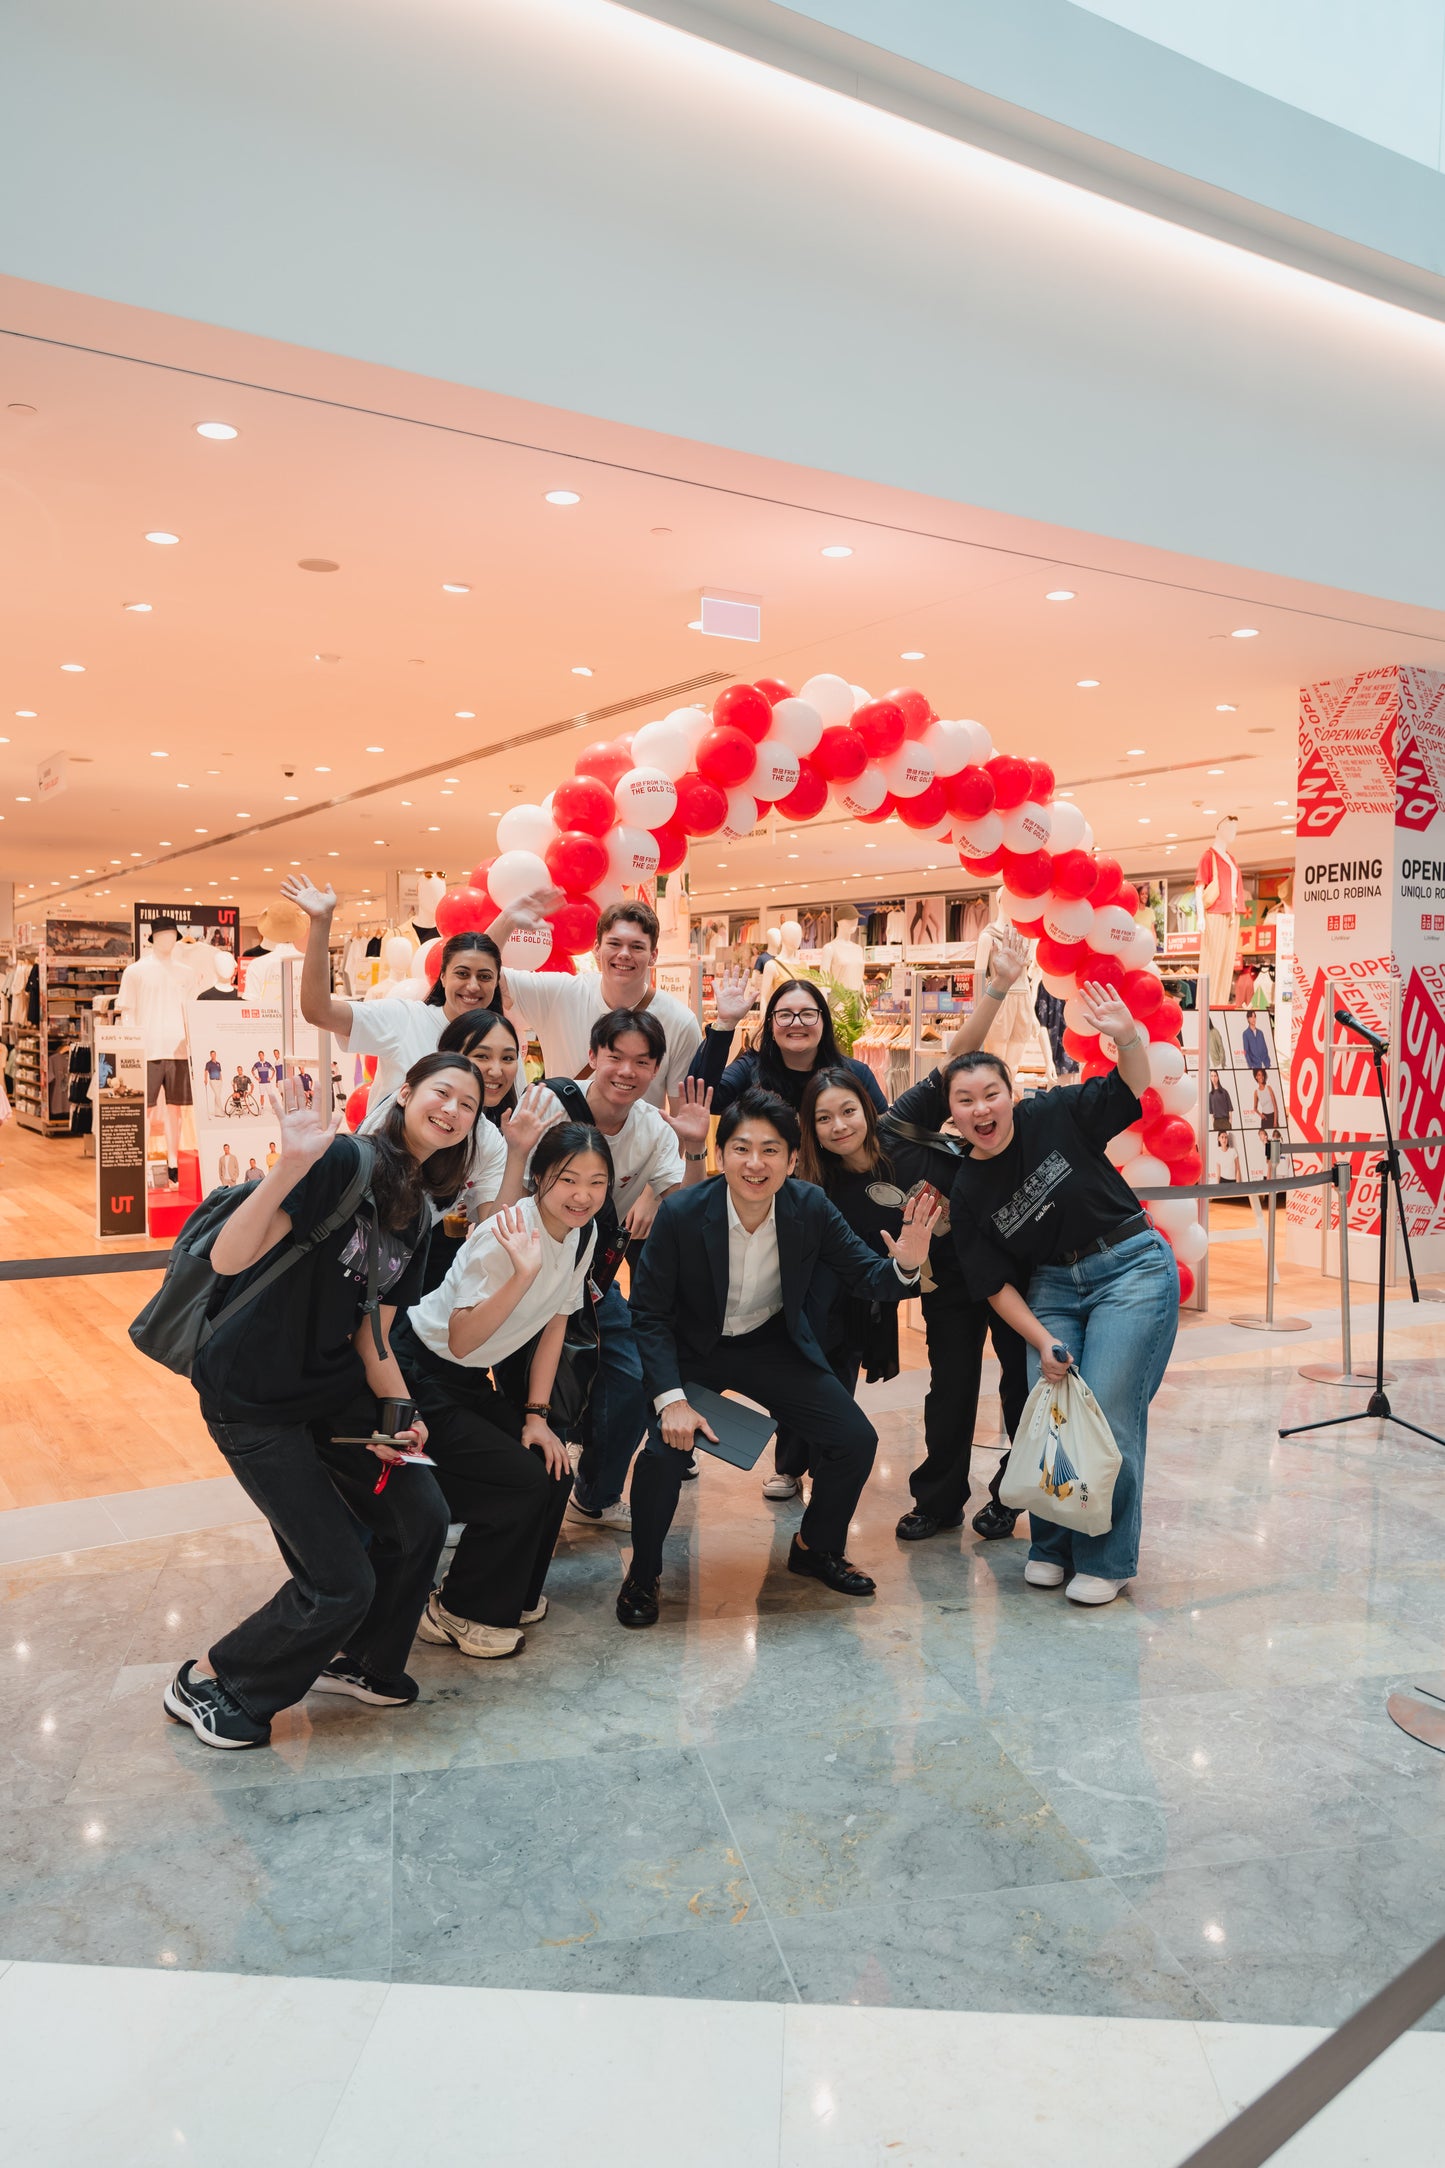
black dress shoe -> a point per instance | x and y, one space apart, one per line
689 1469
831 1568
915 1526
637 1603
995 1521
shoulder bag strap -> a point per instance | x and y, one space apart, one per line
356 1193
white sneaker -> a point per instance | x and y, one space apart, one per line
467 1634
533 1618
1043 1573
1089 1588
613 1516
781 1486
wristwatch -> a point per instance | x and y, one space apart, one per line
539 1407
693 1157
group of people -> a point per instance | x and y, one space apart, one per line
448 1346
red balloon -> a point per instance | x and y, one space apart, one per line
1128 897
464 910
577 861
1151 1100
1091 1069
742 707
608 761
1167 1136
728 756
561 962
1104 971
773 690
1166 1020
1073 873
477 878
1143 993
926 808
917 709
1027 873
433 964
585 803
1062 959
840 754
990 864
808 795
880 813
671 841
1108 873
1083 1045
1186 1168
574 925
1186 1280
969 794
881 726
1042 787
356 1106
1012 781
701 806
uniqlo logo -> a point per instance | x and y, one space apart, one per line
1321 803
1416 804
1332 923
1347 923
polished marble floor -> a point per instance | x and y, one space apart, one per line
962 1796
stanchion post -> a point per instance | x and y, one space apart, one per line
1269 1322
1344 1372
1391 1257
1201 998
287 1049
1326 1134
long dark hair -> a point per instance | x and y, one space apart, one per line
399 1183
436 999
465 1032
816 1163
564 1141
773 1071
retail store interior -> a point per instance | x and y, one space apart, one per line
267 613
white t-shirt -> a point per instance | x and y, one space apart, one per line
644 1150
398 1033
485 1167
152 997
482 1268
562 1011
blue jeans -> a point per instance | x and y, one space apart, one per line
1116 1312
617 1411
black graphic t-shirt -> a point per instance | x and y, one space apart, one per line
1050 1191
288 1356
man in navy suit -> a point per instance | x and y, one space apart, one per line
720 1299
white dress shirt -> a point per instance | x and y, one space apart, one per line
755 1282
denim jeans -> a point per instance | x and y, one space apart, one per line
617 1412
1116 1312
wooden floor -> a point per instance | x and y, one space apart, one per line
82 1414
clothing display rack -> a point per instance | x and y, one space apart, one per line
61 1004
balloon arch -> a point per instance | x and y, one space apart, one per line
634 804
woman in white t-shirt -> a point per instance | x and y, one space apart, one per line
1266 1106
502 1467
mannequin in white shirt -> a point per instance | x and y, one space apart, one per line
396 955
151 1001
282 930
842 959
787 964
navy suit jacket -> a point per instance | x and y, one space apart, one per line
680 1288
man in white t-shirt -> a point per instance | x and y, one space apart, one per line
562 1010
652 1153
397 1032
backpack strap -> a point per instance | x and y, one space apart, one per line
356 1195
574 1100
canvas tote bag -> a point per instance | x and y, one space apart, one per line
1064 1460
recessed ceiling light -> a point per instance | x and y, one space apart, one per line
1171 832
792 854
407 801
27 714
291 798
870 846
1245 632
563 496
159 756
580 669
1226 707
22 801
1214 771
142 609
1059 594
203 831
183 786
433 831
158 534
913 654
375 748
1281 801
333 854
837 549
1143 820
1209 809
323 771
326 658
455 587
1134 752
463 715
1063 794
381 840
78 668
137 854
241 817
446 794
694 624
1086 684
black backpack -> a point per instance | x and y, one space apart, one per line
176 1323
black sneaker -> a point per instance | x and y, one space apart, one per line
689 1469
916 1526
831 1568
214 1715
637 1603
995 1521
343 1676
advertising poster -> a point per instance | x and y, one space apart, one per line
1369 936
88 940
217 924
120 1132
236 1065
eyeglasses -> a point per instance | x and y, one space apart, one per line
796 1016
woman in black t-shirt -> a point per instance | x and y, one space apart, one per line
304 1362
1038 1203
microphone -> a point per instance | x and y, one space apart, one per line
1361 1031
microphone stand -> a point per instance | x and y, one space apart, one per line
1388 1168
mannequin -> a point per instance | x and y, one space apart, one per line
430 889
1219 897
787 963
223 963
282 928
151 1002
196 953
396 955
1018 1036
842 959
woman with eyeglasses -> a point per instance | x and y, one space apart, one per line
797 1041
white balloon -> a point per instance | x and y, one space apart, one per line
1171 1216
864 794
982 744
1069 826
742 815
861 696
798 724
1181 1096
1027 908
547 807
1026 827
948 745
1140 947
645 797
831 696
662 749
1112 932
908 771
525 828
631 853
1192 1244
777 770
1166 1062
605 891
1068 918
1076 1015
1086 840
1058 985
528 948
516 874
1126 1146
1146 1172
981 837
417 967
